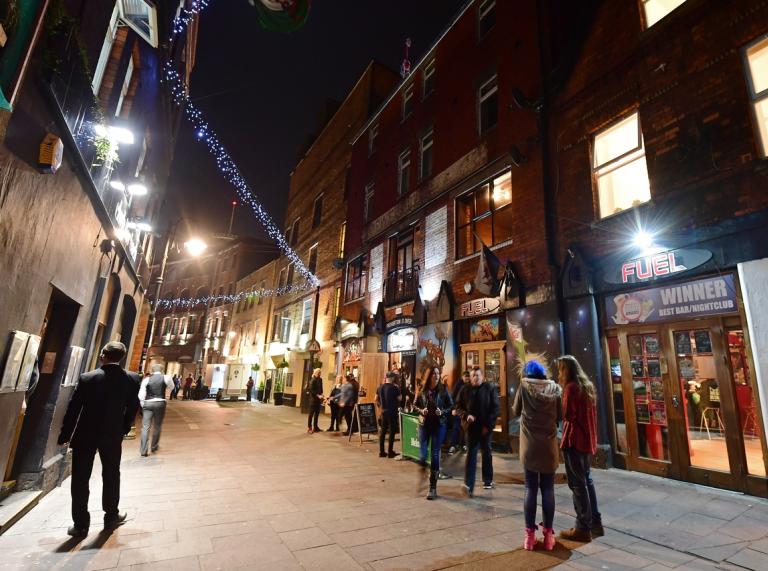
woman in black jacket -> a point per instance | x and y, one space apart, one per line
434 405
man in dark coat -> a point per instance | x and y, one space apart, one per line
101 411
315 395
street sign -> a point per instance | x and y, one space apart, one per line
313 346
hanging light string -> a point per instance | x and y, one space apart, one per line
229 170
190 303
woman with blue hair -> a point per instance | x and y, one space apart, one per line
538 403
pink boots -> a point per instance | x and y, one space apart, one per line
529 542
549 538
530 539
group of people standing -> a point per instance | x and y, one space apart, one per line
342 400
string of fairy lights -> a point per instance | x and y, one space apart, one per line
190 303
231 173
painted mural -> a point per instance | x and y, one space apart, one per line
437 349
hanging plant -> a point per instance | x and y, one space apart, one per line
255 367
283 364
106 150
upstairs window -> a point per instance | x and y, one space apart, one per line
281 280
312 264
619 167
106 49
357 278
484 215
306 316
403 172
262 288
289 280
486 17
294 233
317 212
655 10
373 133
429 79
488 105
757 79
336 302
368 202
141 16
407 101
425 161
342 238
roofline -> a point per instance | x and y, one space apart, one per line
406 80
370 66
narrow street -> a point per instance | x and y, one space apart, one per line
242 486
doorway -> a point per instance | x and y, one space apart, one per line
684 404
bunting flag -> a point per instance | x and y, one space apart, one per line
282 15
486 280
512 285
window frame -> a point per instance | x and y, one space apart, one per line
756 97
342 239
360 262
484 9
294 232
370 191
373 133
106 50
403 168
126 86
317 219
644 13
312 250
491 213
152 38
482 98
408 102
428 74
306 316
430 133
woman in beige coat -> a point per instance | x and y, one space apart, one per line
538 402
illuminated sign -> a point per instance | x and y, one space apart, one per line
402 340
479 306
659 265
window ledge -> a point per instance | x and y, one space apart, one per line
492 248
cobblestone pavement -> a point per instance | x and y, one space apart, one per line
243 486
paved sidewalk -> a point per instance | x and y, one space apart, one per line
242 486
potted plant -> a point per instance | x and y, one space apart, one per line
260 392
277 394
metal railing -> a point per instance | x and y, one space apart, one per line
401 286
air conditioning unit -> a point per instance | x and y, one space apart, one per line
338 263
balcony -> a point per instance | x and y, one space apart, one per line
401 286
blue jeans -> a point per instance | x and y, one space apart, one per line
583 489
434 435
535 481
483 442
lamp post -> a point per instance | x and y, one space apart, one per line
195 247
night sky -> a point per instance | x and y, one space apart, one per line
263 92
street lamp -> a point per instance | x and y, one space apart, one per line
195 247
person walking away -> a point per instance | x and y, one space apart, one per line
187 395
332 401
457 433
100 413
579 444
198 394
152 398
249 389
434 404
176 386
388 400
538 403
478 408
315 394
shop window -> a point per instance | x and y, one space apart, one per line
407 101
306 316
357 278
484 213
488 105
425 161
342 238
428 85
312 264
368 203
757 76
317 212
486 17
619 167
655 10
648 395
373 134
403 172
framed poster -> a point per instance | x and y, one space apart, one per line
18 343
484 330
28 363
73 366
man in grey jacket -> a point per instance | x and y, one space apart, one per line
152 397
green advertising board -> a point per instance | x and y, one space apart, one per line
409 436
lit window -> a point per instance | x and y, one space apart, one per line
312 264
484 215
757 60
141 16
619 166
425 166
429 78
403 170
655 10
317 212
368 204
357 275
306 316
488 105
342 238
373 132
486 17
289 280
407 101
336 302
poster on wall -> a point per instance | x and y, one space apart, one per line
437 349
351 348
484 330
28 363
73 366
18 343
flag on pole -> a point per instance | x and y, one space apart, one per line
486 280
282 15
